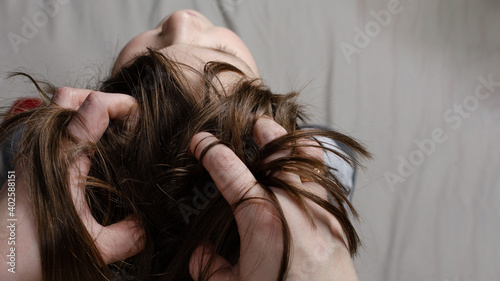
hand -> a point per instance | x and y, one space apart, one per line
317 253
123 239
115 242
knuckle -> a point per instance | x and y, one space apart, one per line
93 97
93 102
63 91
311 148
275 132
315 152
221 154
267 130
71 98
62 94
221 158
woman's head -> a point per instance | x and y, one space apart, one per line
183 86
189 38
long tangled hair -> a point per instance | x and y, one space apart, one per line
145 170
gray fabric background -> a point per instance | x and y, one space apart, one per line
407 82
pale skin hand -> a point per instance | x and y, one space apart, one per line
316 254
115 242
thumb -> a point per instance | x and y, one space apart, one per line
121 240
205 265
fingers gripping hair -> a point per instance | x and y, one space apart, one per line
117 241
57 168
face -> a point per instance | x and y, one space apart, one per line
189 38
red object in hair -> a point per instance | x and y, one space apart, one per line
23 104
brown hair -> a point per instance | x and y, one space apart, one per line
146 171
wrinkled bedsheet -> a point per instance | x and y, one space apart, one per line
416 81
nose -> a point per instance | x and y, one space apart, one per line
184 26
